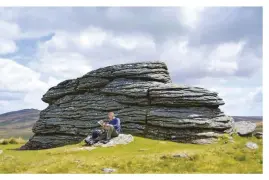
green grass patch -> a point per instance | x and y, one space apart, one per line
156 157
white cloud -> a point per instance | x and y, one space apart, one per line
20 86
132 42
62 65
69 55
52 81
7 46
65 41
190 16
33 99
222 60
239 100
225 57
9 32
16 77
91 37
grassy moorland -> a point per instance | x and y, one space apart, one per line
140 156
25 133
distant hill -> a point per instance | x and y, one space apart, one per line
18 123
248 118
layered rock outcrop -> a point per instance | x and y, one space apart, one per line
143 97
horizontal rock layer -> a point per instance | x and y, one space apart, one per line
142 96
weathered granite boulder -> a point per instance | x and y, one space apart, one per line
143 97
244 128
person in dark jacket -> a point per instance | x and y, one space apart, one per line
113 126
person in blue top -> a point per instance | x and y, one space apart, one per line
113 126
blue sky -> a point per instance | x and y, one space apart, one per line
216 48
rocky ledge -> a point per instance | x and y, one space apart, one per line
143 97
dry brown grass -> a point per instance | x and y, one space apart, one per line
12 141
259 123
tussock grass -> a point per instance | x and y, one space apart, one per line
259 127
12 141
156 157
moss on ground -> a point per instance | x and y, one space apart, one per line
141 156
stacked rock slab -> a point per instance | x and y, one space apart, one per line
143 97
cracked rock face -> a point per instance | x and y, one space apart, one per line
141 95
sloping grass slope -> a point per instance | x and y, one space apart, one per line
141 156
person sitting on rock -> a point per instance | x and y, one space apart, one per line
113 127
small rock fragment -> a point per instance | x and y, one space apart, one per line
204 141
108 170
252 145
181 155
1 151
